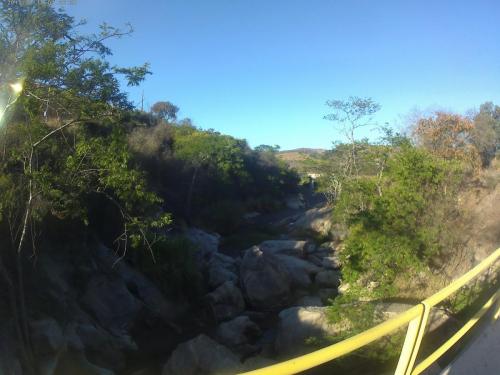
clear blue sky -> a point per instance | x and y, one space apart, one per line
263 69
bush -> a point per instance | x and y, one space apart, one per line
224 216
402 226
172 267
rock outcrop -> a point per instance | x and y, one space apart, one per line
239 334
227 301
317 220
266 281
297 324
201 355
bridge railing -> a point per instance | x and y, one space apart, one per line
415 318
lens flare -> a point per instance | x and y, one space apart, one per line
8 96
16 88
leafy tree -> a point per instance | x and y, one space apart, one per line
207 149
351 115
400 229
165 110
448 136
51 168
267 148
486 133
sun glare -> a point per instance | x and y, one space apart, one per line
16 87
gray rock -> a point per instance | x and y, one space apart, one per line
227 301
111 303
104 349
239 334
297 324
328 247
331 262
315 259
222 268
206 243
318 220
328 279
265 279
290 247
201 355
295 202
299 270
145 291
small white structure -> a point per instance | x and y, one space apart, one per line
314 175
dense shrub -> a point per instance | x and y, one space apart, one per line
171 266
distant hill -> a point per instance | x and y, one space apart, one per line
297 158
304 150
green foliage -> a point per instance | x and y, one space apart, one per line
224 216
63 145
399 227
172 267
358 317
486 133
209 178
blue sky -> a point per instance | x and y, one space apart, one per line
263 69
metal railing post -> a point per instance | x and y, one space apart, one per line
408 345
414 335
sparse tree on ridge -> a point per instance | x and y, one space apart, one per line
165 110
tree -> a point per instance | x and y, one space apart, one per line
448 136
207 149
62 143
267 148
350 115
165 110
402 231
486 133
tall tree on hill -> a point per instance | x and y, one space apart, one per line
351 115
165 110
51 164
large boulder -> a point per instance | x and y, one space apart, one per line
201 355
328 279
300 271
318 220
222 268
152 300
266 281
227 301
206 244
111 303
239 334
290 247
102 348
295 202
297 324
331 262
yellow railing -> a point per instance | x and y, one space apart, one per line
416 318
